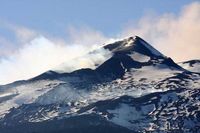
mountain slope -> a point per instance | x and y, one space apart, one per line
138 89
192 65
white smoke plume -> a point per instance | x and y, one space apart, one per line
43 54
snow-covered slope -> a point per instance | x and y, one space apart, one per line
138 89
192 65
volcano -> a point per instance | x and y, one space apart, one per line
138 89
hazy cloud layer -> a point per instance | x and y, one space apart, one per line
176 36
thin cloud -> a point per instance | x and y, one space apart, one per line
85 36
6 47
176 36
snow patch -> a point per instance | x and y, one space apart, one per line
194 68
139 57
26 94
126 115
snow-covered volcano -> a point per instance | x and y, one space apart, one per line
138 89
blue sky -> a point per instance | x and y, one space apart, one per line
107 16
